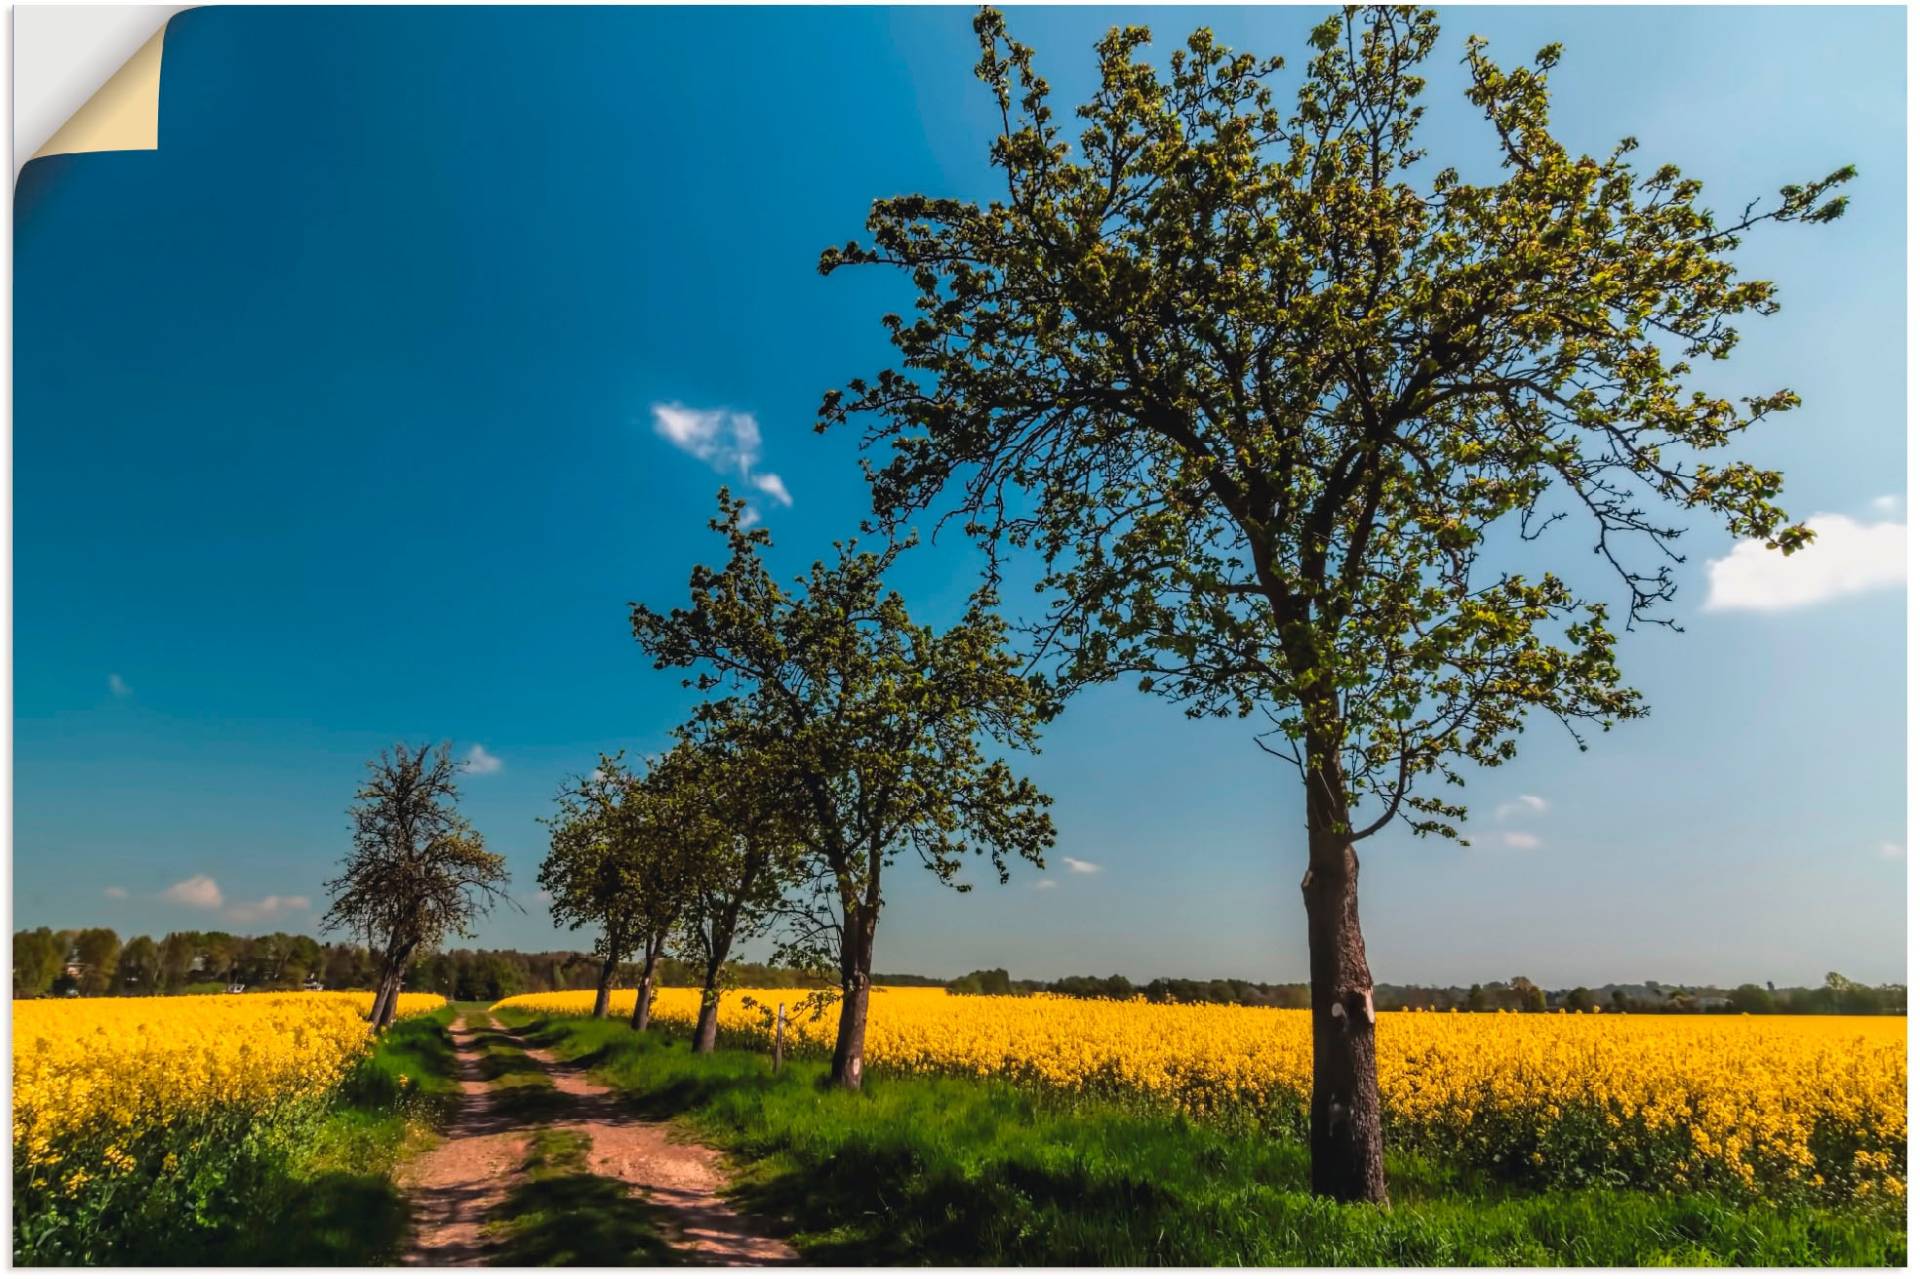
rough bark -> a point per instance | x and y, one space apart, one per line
1345 1141
603 993
382 995
643 997
706 1031
856 980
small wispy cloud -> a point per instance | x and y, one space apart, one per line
1043 885
1079 867
114 893
728 442
481 761
1518 805
117 686
200 891
1846 558
542 896
1888 504
271 907
1503 838
1891 851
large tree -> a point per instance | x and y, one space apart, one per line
417 871
879 723
1256 400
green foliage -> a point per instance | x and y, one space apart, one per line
984 981
876 722
1259 402
965 1172
417 870
97 951
37 956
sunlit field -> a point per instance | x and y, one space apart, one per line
1779 1108
120 1100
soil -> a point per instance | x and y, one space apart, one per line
457 1185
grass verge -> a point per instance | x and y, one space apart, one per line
964 1172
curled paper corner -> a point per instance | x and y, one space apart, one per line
124 113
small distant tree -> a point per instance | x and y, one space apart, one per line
753 855
177 953
878 722
1527 997
1477 998
37 960
1273 418
1752 999
1579 999
97 950
590 871
417 872
139 968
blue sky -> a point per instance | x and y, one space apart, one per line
334 425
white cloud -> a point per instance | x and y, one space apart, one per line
1846 558
481 760
199 891
1079 867
775 487
1043 885
1505 838
118 687
1891 851
1520 804
264 909
1889 504
543 896
728 442
114 892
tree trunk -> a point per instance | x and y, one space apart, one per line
603 994
384 1000
1345 1141
643 997
856 969
381 993
706 1031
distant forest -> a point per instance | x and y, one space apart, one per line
94 961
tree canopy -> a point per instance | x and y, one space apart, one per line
1271 399
417 871
880 724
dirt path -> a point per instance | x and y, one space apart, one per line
456 1186
683 1180
458 1183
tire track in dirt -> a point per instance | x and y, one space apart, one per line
683 1180
455 1186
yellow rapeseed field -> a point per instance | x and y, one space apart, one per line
92 1076
1805 1107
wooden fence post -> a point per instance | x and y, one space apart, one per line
779 1036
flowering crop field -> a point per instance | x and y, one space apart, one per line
113 1094
1781 1108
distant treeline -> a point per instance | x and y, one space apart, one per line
1837 995
94 961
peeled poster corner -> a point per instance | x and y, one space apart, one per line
123 114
